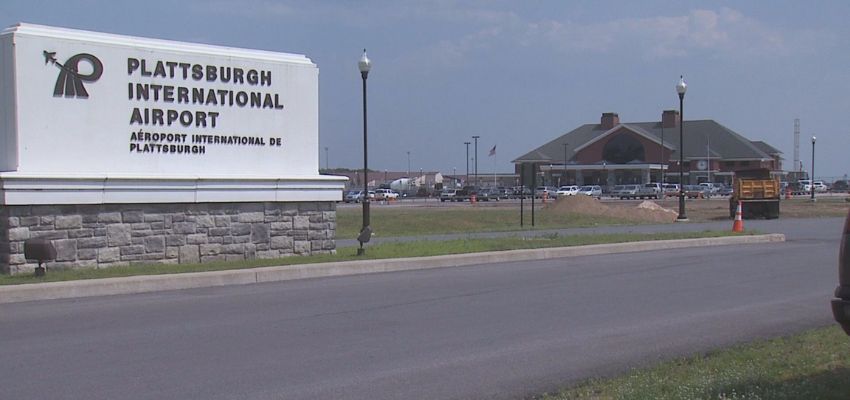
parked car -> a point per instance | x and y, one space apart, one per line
712 187
521 192
806 186
548 191
652 190
798 188
570 190
697 192
385 194
448 195
353 196
591 190
625 191
644 191
670 189
488 194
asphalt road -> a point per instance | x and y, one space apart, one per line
489 331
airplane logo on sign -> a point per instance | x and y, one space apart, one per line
70 80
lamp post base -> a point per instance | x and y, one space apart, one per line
682 219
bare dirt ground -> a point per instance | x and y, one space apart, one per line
664 211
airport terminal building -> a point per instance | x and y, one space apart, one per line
613 152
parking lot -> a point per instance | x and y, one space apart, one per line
714 208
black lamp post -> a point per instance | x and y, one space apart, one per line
681 87
475 138
467 163
605 175
564 177
812 180
366 231
662 155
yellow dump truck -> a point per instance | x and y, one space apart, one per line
758 192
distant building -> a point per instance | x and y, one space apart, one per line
377 179
612 153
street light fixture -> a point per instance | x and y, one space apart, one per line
366 231
605 174
812 180
564 175
476 159
466 182
662 155
681 88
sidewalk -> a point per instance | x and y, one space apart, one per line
154 283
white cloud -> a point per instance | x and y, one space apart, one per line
724 32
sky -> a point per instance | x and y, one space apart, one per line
521 73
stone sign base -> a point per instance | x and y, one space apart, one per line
105 235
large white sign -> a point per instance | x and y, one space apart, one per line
81 107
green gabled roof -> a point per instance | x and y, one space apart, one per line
766 147
701 137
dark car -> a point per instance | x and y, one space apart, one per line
841 305
697 192
726 191
521 192
487 194
840 186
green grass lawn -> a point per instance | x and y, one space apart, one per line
412 221
378 251
812 365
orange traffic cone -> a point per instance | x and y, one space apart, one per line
738 225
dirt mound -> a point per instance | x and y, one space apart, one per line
646 211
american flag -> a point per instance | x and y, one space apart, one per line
492 151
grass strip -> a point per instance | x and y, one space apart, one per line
422 248
812 365
410 221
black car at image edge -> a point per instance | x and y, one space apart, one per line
841 305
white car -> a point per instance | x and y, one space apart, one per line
571 190
591 190
671 189
806 185
385 194
712 187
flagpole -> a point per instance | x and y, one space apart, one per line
493 154
495 185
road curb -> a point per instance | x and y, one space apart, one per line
155 283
